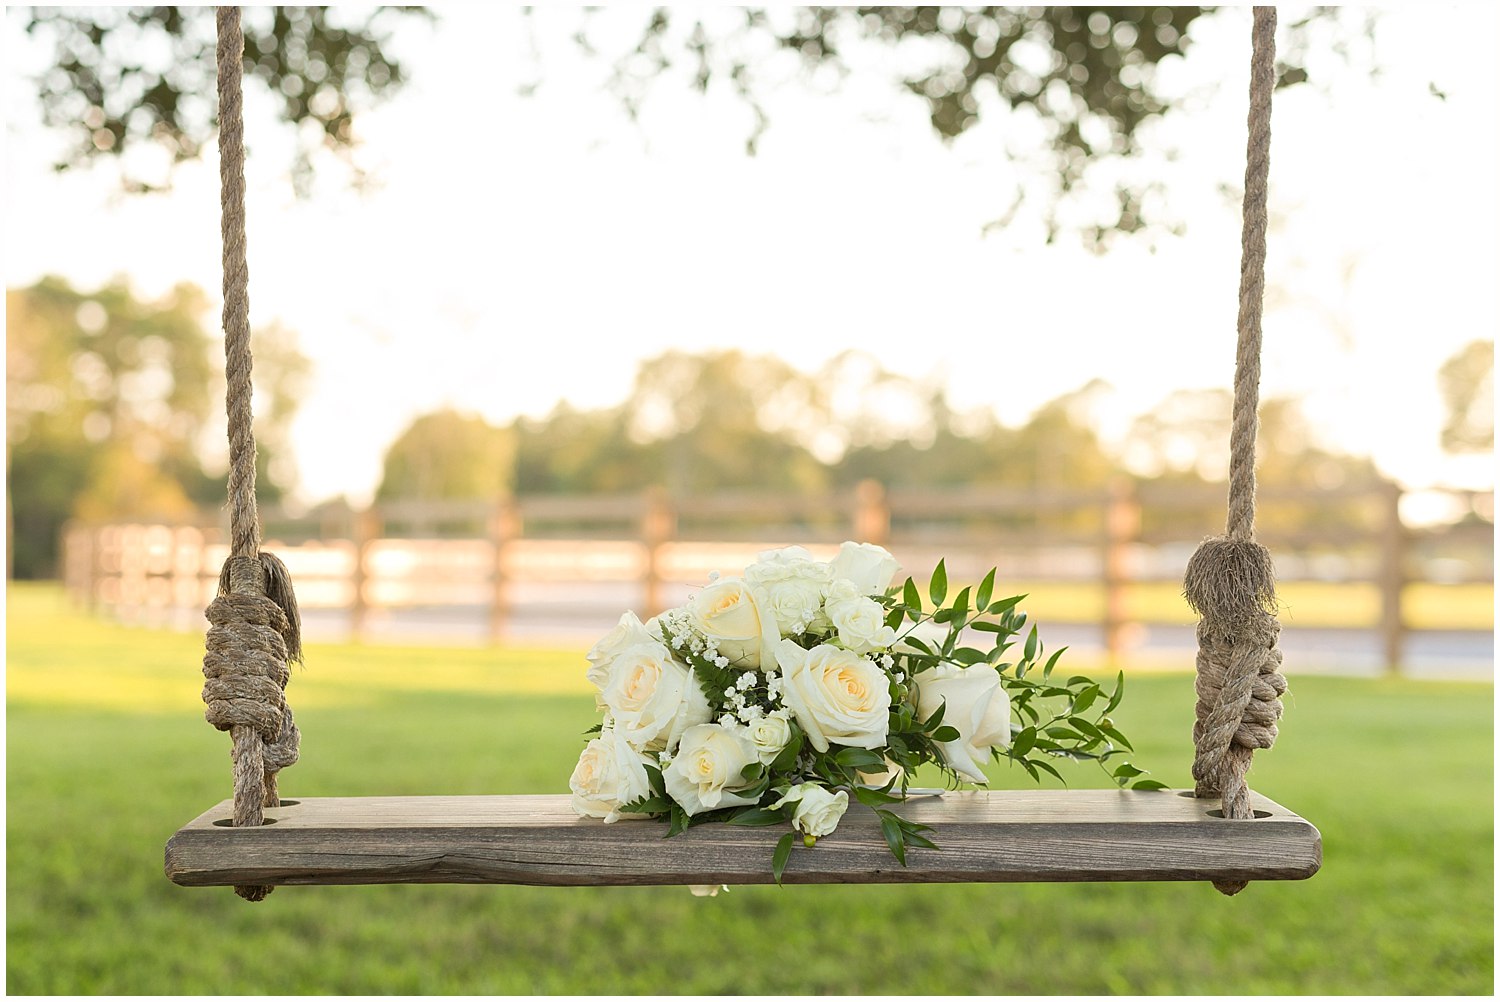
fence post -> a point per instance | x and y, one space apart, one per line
872 516
658 527
505 525
1393 542
366 526
1122 524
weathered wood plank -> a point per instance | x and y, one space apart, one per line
986 836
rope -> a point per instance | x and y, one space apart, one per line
255 628
1230 580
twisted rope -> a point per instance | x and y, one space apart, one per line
255 629
1230 580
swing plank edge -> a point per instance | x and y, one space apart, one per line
985 836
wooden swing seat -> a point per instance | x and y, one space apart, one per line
1001 836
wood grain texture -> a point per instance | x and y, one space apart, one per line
985 836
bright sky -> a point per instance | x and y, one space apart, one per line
522 250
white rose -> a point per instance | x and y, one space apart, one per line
870 567
889 774
692 711
860 620
733 615
793 583
770 734
609 773
817 812
644 691
627 633
978 708
707 768
707 890
836 695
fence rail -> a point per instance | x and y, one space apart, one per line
476 554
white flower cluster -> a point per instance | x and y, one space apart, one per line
794 651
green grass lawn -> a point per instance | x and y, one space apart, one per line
109 754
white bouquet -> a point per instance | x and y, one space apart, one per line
774 697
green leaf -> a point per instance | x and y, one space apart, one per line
1023 741
960 603
781 855
968 656
1004 605
1031 643
945 733
752 771
1127 771
931 723
647 805
1052 662
596 729
938 587
871 797
895 838
787 757
1043 765
1088 729
758 817
1117 695
858 758
658 784
983 626
1116 737
986 589
894 617
1085 699
921 840
912 599
1147 784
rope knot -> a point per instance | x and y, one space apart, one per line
1230 583
245 664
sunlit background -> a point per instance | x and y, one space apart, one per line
538 340
547 265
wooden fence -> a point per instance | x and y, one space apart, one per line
476 555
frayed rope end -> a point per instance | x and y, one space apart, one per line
1230 579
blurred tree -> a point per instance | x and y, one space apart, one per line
725 419
572 451
109 402
1183 444
1086 74
447 455
1467 381
129 77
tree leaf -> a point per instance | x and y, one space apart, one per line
1147 784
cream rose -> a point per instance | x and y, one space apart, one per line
793 583
645 690
609 773
978 708
859 619
770 734
870 567
707 768
835 695
734 616
627 633
817 812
